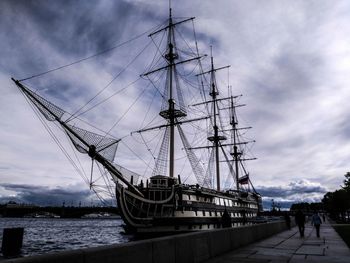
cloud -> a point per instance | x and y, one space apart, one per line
295 192
39 195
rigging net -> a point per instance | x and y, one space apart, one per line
107 147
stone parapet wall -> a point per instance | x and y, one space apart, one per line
184 248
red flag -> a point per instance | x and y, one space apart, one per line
244 179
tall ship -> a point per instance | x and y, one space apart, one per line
198 179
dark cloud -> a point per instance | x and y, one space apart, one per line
39 195
33 32
294 192
71 26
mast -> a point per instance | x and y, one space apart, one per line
236 143
173 110
214 93
216 138
171 113
235 153
171 57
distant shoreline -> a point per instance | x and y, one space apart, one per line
31 211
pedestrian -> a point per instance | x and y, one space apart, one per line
287 218
324 217
300 221
316 221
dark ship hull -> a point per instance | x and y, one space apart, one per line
172 208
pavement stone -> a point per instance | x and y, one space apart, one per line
288 246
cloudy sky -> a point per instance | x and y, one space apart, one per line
290 60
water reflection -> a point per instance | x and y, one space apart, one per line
43 235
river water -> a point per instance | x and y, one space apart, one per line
43 235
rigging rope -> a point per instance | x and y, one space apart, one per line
80 171
105 87
92 56
107 133
102 101
55 139
138 156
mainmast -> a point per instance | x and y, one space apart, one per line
171 56
216 138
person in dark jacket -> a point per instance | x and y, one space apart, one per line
300 221
287 218
316 221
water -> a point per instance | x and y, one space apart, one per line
43 235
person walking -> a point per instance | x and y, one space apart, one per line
300 221
287 218
316 221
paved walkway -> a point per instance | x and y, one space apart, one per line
289 247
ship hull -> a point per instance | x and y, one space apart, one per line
183 208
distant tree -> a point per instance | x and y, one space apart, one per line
300 206
316 207
327 202
346 186
337 203
341 202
